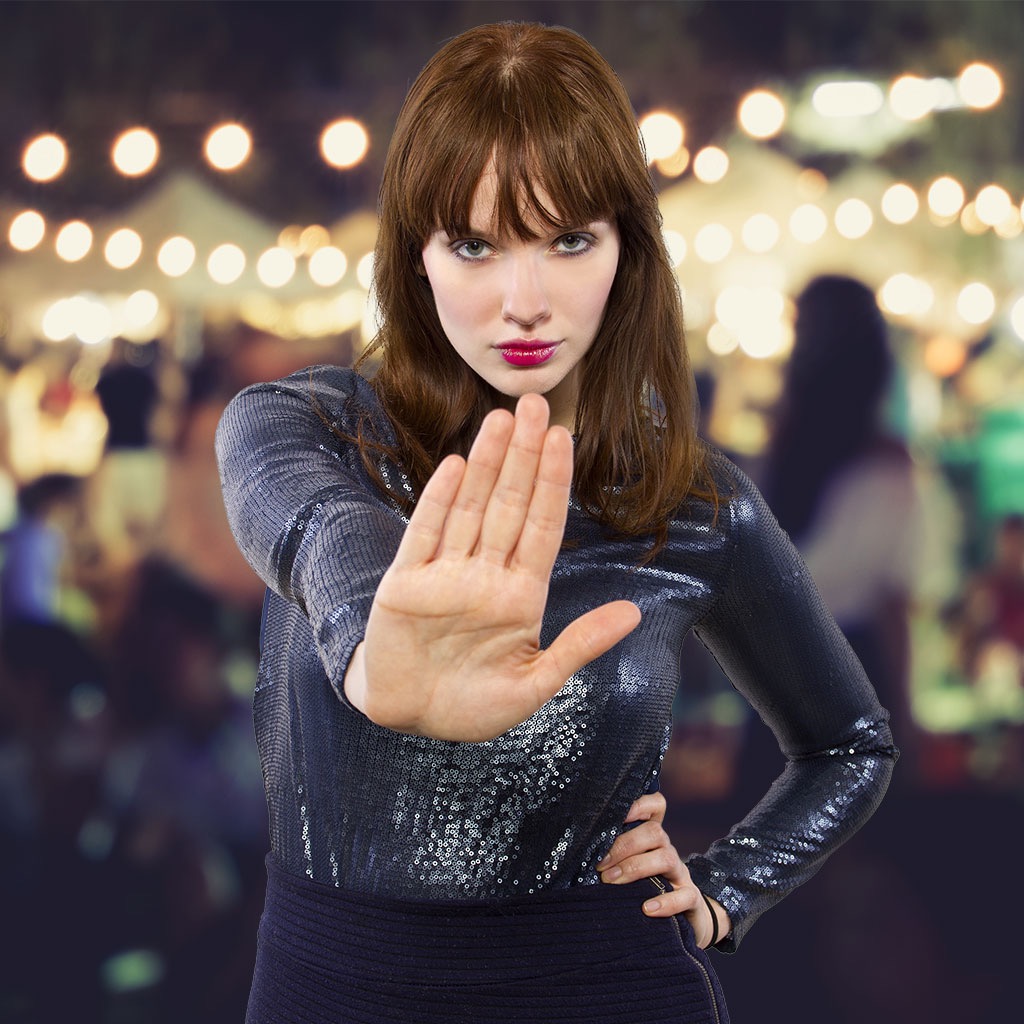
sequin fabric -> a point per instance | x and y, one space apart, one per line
380 812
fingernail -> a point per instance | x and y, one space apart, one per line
652 905
612 873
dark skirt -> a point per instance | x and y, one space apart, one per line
582 954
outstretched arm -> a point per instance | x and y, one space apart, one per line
451 649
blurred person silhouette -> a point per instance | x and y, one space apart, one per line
128 489
35 553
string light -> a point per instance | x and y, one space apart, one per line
662 133
762 114
711 164
123 248
45 158
899 204
27 230
760 233
227 147
853 218
945 197
327 266
976 303
226 263
344 143
980 86
176 256
275 267
808 223
713 243
135 152
74 241
993 205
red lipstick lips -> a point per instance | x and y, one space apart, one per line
527 353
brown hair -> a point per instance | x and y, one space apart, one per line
548 109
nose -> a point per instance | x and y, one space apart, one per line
525 300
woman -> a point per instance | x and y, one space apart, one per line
468 667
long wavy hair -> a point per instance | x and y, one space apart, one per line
548 110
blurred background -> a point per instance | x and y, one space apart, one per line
187 195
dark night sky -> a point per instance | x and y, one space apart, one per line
88 69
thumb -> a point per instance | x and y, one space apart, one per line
591 635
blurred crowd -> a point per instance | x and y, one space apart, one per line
132 817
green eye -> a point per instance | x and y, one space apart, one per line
574 244
473 249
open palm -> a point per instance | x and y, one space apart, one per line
452 642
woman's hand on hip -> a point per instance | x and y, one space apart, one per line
452 648
645 851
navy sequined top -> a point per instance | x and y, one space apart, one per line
372 810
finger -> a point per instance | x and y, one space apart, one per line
541 533
462 528
423 534
649 807
648 836
511 496
676 901
591 635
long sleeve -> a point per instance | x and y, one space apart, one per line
301 507
772 634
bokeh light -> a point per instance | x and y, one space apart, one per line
847 99
228 146
135 152
760 233
27 230
364 271
944 355
226 263
45 157
711 164
807 223
275 267
912 98
992 205
906 295
945 197
980 86
74 241
123 248
327 266
720 340
344 143
976 303
1017 318
853 218
900 203
762 114
675 243
713 243
176 256
663 134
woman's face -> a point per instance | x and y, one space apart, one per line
523 314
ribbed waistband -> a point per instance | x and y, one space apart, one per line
452 942
586 954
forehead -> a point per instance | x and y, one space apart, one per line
537 210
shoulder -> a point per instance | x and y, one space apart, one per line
334 397
332 388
